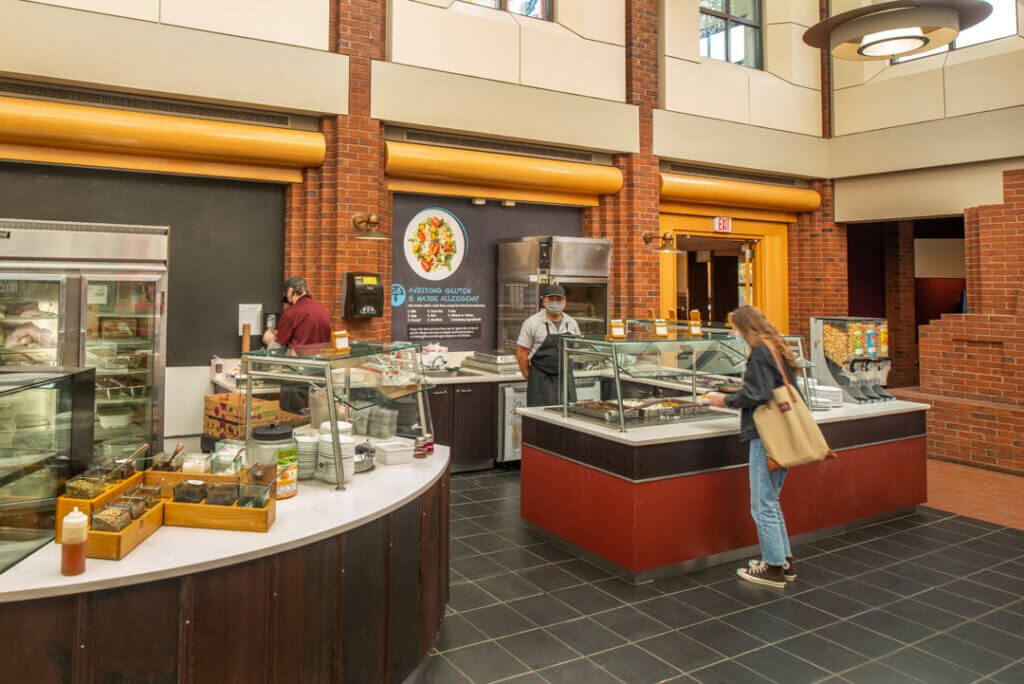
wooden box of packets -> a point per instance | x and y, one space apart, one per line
242 505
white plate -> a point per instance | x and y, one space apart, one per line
458 234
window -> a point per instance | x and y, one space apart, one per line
730 30
538 9
1000 24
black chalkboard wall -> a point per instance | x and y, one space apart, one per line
459 310
226 244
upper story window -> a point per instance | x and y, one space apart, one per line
538 9
730 30
1000 24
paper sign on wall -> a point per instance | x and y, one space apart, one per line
618 329
97 294
253 315
722 224
660 328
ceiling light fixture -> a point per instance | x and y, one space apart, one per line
895 29
367 227
666 242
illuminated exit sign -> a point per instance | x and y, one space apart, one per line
723 224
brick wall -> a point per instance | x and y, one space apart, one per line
899 303
818 284
972 365
826 78
625 216
319 239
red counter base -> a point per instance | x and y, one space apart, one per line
642 526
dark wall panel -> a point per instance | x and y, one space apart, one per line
226 247
865 248
404 608
118 619
364 604
37 639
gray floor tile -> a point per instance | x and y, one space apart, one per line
856 638
487 542
587 599
893 583
521 536
927 667
549 577
456 632
586 636
923 613
486 662
973 657
799 614
582 671
723 638
876 673
728 672
1005 620
823 653
831 602
997 580
498 621
439 671
762 625
1011 675
477 567
517 558
780 666
528 678
675 584
537 649
634 665
865 593
839 565
710 601
630 623
976 591
463 528
467 596
509 587
673 613
1009 645
893 626
626 591
680 651
954 603
747 593
544 609
550 552
584 570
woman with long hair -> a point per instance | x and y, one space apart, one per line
762 376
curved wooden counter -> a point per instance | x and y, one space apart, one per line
346 587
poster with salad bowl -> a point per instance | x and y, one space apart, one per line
435 244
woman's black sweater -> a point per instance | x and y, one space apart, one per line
761 377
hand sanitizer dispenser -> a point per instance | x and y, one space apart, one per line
362 295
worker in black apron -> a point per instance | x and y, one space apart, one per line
540 350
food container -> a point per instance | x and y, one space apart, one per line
253 496
85 486
190 491
151 495
325 465
383 423
170 463
393 453
221 493
276 444
227 457
424 446
115 363
114 416
360 422
135 505
121 448
125 467
196 463
261 474
111 518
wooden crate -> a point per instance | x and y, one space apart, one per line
153 477
65 505
117 545
220 517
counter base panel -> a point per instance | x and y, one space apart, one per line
365 605
643 526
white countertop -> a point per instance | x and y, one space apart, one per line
711 427
318 511
475 377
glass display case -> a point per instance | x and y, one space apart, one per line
378 388
852 354
674 371
45 437
32 314
121 328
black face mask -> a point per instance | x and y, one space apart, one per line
284 299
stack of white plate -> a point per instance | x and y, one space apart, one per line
325 463
344 428
309 441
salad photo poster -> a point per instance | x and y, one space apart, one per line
445 264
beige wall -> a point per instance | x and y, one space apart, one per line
48 43
581 52
979 78
293 22
939 258
785 96
504 110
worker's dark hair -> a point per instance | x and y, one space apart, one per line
297 284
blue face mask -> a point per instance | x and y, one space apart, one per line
736 336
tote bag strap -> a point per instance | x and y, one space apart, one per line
785 376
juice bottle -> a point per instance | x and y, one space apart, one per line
883 339
74 534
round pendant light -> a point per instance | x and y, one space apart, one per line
895 29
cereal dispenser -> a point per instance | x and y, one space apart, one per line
853 354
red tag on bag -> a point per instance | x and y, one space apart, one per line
784 406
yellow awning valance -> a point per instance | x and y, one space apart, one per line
730 193
467 173
52 132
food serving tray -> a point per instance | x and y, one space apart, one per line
609 414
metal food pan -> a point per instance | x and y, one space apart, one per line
611 415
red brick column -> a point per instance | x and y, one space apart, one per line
319 239
625 216
900 310
972 366
818 280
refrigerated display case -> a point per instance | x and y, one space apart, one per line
45 438
92 295
852 354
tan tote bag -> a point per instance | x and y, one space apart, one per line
787 428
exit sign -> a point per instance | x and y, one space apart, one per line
723 224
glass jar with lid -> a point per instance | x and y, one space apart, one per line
275 444
227 457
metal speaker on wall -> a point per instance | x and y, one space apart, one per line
367 227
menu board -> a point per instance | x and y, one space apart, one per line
445 264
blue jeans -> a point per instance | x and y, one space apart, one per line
765 488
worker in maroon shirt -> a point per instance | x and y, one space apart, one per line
304 323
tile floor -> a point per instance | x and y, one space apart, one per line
932 597
983 494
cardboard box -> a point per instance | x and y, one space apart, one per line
224 415
231 406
